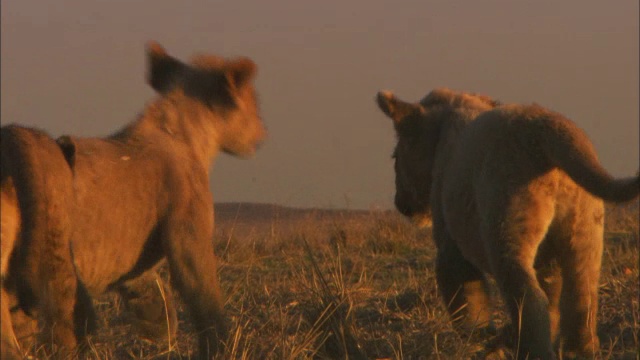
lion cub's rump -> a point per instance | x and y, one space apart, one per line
36 186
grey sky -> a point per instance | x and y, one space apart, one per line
73 66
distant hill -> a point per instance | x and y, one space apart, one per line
242 211
254 220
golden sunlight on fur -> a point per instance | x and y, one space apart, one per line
93 215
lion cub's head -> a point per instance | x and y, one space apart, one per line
419 129
223 90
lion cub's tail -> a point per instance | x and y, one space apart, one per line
37 167
568 148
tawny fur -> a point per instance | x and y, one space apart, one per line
36 191
513 191
134 198
147 299
9 347
18 329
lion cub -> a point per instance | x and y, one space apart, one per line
97 214
513 191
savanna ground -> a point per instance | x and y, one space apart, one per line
304 284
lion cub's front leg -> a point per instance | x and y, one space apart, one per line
462 285
188 243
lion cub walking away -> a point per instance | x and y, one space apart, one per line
513 191
116 206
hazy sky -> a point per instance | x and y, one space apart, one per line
77 66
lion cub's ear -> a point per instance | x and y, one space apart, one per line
164 71
393 107
240 71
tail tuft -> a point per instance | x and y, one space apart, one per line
624 190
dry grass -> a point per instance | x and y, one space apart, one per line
357 285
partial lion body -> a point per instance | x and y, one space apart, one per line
514 215
514 191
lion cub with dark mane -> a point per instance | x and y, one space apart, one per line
514 191
91 215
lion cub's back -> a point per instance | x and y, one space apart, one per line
504 142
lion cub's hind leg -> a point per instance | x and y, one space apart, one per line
550 279
513 230
581 262
149 304
25 327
